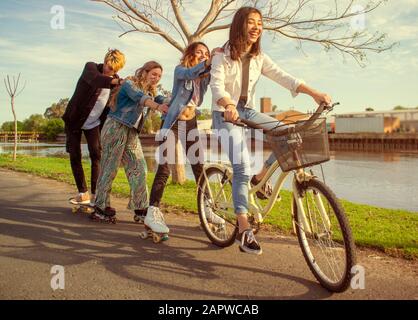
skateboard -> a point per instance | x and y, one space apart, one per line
82 208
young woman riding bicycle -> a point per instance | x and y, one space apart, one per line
234 74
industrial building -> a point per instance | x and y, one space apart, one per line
377 121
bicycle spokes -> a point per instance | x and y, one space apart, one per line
324 235
216 208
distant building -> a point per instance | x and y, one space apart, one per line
284 116
377 121
265 105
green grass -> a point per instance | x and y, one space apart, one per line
392 231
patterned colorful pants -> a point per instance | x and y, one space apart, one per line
120 144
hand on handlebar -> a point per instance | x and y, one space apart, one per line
322 98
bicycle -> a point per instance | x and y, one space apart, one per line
318 218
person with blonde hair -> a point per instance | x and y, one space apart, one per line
86 113
121 143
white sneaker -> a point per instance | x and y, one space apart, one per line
81 198
155 220
211 217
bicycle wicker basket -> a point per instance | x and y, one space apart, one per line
302 149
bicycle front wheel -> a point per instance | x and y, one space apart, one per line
215 206
324 235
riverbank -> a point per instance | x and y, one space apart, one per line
392 231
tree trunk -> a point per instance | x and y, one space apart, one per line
178 173
14 116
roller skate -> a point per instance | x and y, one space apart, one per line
82 203
139 216
212 217
108 215
216 223
155 226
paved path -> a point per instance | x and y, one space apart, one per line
38 230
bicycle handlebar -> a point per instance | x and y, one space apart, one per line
289 129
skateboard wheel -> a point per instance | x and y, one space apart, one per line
74 210
143 235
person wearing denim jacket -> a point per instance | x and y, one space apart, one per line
121 143
183 90
191 79
234 75
131 105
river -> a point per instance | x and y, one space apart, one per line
388 180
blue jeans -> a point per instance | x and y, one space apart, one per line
233 142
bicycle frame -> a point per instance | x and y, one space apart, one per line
258 211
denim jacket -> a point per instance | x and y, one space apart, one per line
183 91
130 104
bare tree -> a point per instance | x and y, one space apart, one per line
300 20
332 24
13 91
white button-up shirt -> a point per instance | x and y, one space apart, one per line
226 78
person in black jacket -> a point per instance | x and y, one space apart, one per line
86 113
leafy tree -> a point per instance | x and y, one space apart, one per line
52 128
10 126
152 124
56 110
369 109
34 123
206 114
399 108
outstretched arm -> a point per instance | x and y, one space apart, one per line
319 97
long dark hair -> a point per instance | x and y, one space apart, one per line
238 34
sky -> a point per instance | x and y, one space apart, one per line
50 60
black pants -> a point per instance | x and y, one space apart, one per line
74 149
163 171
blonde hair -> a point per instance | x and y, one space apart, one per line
115 59
139 80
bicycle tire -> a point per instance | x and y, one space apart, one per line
203 221
350 255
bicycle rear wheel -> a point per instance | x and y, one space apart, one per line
324 235
215 206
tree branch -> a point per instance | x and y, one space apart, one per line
298 20
215 9
142 18
179 18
